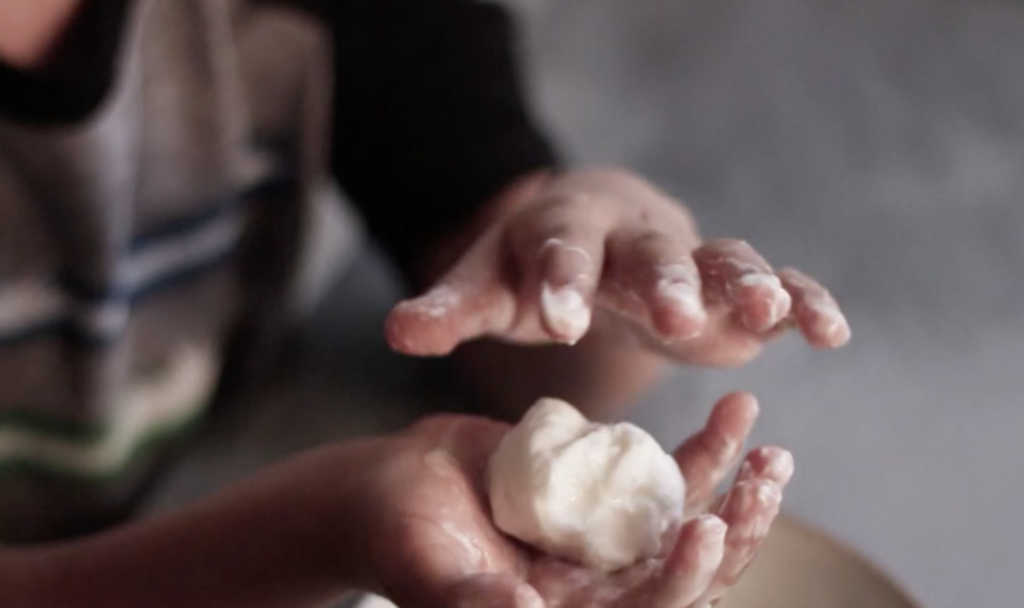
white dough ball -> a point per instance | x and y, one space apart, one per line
602 495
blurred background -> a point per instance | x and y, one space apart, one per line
878 144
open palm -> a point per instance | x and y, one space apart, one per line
433 543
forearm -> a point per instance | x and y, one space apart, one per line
279 540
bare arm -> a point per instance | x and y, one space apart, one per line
404 516
286 538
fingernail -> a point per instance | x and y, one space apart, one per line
713 525
684 297
760 279
779 301
565 312
835 327
781 304
768 494
435 303
781 464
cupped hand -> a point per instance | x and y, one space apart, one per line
432 542
602 246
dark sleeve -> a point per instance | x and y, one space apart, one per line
430 115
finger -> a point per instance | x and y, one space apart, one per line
655 268
815 310
706 458
749 509
736 275
566 287
469 302
559 250
690 570
769 463
495 591
447 315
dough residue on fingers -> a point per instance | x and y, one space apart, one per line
436 303
602 495
826 320
563 303
678 284
776 298
565 312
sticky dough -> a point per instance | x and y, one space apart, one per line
602 495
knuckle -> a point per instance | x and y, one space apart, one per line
536 233
657 244
559 232
563 204
730 245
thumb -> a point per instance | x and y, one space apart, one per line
495 591
469 302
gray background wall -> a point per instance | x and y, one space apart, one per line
876 143
880 145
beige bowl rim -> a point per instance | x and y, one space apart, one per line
832 543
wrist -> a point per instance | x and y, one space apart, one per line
349 529
303 521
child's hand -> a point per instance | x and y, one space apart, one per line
606 246
432 543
